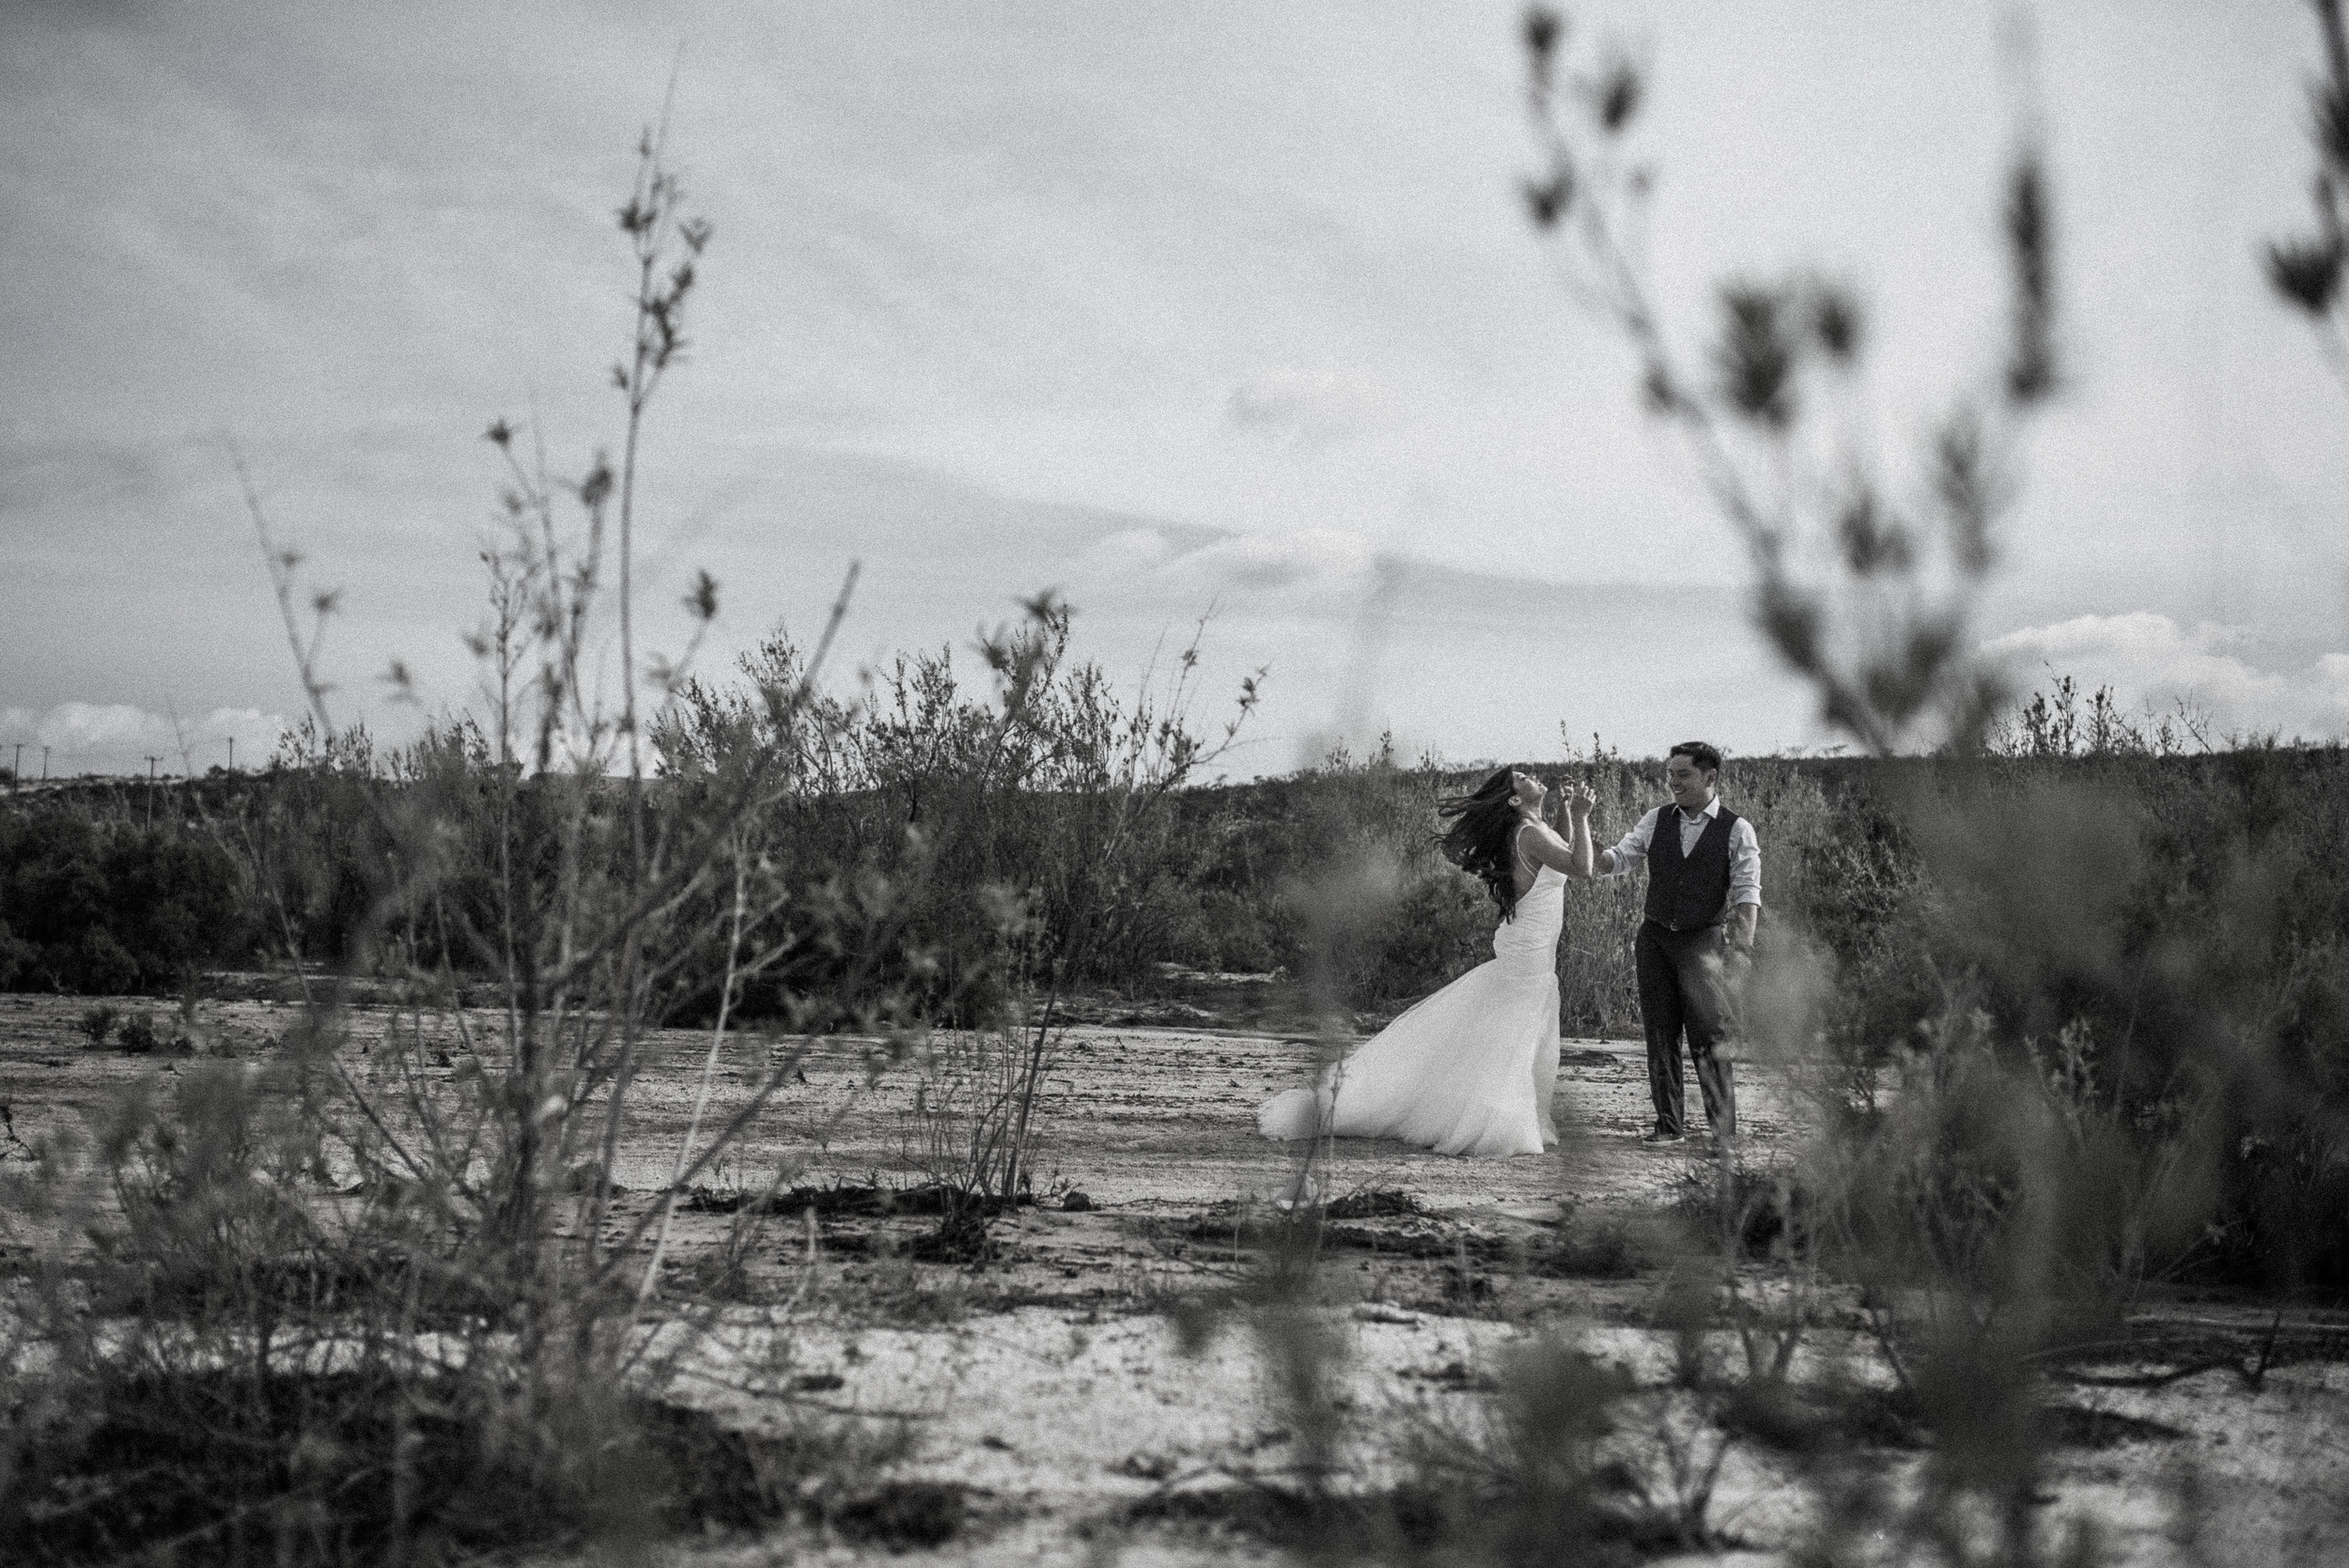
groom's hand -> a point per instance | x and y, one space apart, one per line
1737 972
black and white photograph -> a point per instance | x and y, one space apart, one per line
1438 783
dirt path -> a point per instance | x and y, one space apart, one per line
1152 1119
1053 1389
1160 1119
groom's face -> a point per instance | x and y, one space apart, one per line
1691 786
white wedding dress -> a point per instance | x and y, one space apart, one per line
1467 1071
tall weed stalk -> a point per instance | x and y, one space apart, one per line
423 1208
2066 1085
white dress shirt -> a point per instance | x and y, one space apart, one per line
1744 850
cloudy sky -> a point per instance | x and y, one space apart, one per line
1180 308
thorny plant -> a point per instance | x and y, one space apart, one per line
2306 271
1122 765
1849 586
583 933
1572 1461
474 1158
1852 588
1022 813
2006 1205
2051 725
1872 609
967 1118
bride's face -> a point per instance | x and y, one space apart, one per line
1526 793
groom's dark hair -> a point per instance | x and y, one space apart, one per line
1703 753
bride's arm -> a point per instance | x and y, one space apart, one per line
1539 842
1542 845
1580 858
1585 858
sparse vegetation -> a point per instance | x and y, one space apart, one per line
93 903
280 1238
2039 1072
2060 994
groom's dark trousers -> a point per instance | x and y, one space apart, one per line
1681 987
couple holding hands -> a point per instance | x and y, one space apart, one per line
1471 1069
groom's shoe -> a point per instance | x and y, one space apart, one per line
1660 1136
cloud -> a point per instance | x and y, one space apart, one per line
117 737
2150 660
1302 410
1122 557
81 472
1304 569
1065 261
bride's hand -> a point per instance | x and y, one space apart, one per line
1580 799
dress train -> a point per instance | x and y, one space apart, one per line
1467 1071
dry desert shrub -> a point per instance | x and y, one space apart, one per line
2088 1052
383 1306
2067 1038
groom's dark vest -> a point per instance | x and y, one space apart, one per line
1687 893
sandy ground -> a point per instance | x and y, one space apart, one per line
1055 1383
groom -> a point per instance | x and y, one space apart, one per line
1703 895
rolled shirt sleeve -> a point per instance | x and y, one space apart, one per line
1745 865
1632 851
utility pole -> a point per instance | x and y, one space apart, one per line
44 765
232 754
16 774
150 790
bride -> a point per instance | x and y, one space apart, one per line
1470 1070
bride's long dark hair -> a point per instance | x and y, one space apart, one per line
1483 838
